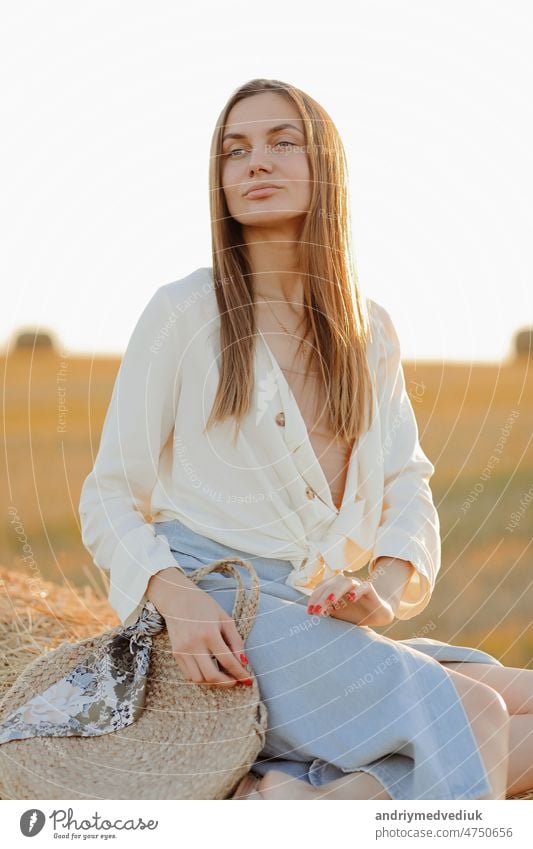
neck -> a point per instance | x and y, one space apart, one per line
275 274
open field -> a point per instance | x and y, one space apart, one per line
476 425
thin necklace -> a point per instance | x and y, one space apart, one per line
300 354
278 321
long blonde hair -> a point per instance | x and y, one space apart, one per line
335 313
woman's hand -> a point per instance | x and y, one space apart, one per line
203 636
351 600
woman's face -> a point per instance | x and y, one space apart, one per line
264 142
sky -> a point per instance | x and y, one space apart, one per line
108 115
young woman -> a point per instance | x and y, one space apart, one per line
260 411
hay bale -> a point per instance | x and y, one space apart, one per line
34 622
527 795
30 340
523 343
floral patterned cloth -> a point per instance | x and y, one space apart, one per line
102 693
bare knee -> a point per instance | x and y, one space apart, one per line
490 721
492 707
486 708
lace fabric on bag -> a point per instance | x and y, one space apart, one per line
102 693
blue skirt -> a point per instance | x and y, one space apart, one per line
342 698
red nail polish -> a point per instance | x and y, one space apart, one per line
331 597
244 659
318 608
310 608
247 682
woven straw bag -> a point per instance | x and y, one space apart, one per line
190 741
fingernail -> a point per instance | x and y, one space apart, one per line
244 659
351 596
247 682
318 608
310 608
331 597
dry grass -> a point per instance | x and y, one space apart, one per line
482 593
34 623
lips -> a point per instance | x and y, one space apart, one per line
259 187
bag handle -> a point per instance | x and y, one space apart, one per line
246 604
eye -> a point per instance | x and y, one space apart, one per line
284 145
239 150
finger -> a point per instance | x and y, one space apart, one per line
350 593
191 669
234 640
330 587
312 601
212 675
331 592
324 593
334 596
358 591
369 602
227 659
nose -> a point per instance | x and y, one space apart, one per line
259 160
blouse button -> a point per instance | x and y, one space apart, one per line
310 492
280 419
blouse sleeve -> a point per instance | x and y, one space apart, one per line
116 493
409 526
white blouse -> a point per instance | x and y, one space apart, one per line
266 493
332 451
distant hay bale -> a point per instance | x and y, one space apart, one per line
35 622
28 340
523 343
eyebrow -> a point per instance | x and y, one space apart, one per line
269 132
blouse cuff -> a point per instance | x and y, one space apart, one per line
140 554
417 591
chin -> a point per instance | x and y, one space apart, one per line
267 217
